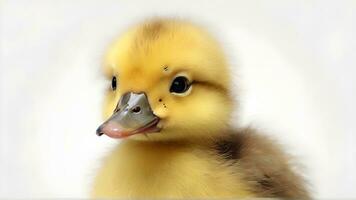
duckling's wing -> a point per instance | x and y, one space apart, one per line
265 167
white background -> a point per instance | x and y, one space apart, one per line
294 65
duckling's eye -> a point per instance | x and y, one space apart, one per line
179 85
113 83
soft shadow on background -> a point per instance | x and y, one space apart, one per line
294 65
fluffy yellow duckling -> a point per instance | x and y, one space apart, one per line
170 103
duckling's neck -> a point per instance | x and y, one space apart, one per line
150 146
161 150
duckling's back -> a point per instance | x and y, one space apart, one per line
265 168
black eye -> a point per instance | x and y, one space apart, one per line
113 83
179 85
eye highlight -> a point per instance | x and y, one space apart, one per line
179 85
113 83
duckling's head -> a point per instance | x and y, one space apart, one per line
169 81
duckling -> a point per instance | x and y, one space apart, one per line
170 103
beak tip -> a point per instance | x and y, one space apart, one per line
99 132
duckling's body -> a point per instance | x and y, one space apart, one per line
172 106
161 169
243 164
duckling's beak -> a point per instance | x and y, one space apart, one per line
132 115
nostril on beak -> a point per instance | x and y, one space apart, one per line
136 109
116 110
